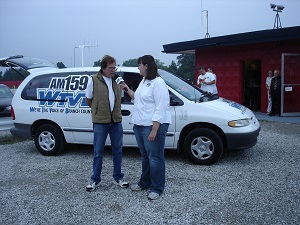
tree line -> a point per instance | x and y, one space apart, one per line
185 68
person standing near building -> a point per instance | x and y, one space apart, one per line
103 95
207 81
268 84
275 91
151 118
211 70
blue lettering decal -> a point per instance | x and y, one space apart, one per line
78 99
50 98
47 97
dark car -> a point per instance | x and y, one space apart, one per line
5 100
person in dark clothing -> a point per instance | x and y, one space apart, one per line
275 91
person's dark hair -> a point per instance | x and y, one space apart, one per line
201 68
211 69
152 67
107 59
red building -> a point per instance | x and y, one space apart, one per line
241 63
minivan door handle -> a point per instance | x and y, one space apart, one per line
125 112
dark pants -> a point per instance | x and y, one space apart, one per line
276 103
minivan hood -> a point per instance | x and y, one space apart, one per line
230 107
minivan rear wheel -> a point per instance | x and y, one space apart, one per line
49 140
203 146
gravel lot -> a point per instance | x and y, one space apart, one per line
255 186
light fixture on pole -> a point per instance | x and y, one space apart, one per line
277 9
207 34
82 47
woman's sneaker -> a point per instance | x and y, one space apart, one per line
121 183
135 187
92 186
153 196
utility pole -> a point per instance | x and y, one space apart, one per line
82 48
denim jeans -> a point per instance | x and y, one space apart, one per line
153 161
115 131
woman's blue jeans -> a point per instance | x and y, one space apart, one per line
115 131
153 160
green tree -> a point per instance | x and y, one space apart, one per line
133 63
186 66
173 68
61 65
15 74
130 63
97 63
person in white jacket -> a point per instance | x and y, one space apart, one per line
268 85
151 118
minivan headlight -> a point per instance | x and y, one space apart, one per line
239 123
8 108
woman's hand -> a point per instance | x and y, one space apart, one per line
153 132
152 135
124 86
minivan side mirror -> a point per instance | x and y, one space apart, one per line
174 100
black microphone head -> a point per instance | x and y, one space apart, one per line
116 76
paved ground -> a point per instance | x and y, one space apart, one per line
254 186
287 119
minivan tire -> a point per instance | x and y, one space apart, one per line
49 140
203 146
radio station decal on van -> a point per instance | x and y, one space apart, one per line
66 93
235 105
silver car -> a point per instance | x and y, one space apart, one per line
5 100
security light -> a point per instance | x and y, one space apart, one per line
272 6
277 9
280 7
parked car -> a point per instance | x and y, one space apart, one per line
49 107
5 100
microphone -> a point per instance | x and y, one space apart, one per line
120 80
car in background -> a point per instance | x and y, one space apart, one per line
6 96
49 107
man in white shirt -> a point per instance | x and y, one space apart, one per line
103 95
268 85
211 70
207 81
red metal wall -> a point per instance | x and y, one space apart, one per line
228 65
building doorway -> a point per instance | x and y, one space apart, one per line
290 84
252 84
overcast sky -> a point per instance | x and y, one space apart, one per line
126 29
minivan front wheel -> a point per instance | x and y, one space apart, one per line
203 146
49 140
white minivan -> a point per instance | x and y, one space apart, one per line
49 107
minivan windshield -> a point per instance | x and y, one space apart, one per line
183 87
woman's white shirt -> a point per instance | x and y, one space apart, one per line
151 103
